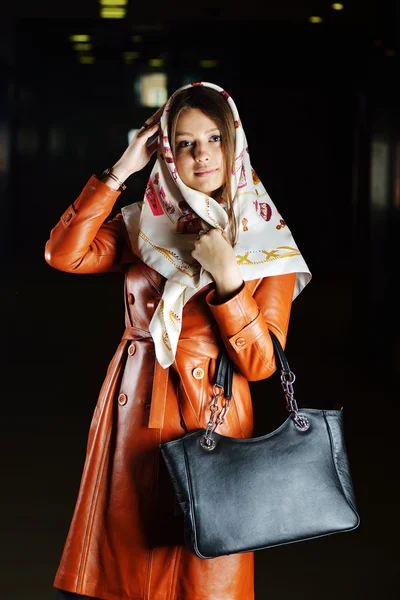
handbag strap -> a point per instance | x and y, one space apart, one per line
224 370
280 353
224 374
223 389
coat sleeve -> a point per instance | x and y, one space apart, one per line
83 241
244 322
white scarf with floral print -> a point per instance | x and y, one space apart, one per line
264 247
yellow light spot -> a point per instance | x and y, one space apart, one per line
113 2
208 63
137 39
337 6
390 52
156 62
79 37
153 89
113 12
82 47
315 19
86 60
130 55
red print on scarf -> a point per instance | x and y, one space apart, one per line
265 211
281 224
189 222
151 197
243 181
168 206
167 150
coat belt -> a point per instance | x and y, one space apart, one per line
160 381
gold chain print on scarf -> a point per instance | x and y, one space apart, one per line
165 336
207 207
179 264
175 321
269 255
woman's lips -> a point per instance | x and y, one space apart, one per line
203 173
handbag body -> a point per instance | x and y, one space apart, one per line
242 495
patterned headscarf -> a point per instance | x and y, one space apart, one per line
158 231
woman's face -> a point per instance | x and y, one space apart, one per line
199 157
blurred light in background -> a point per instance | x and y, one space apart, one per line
337 6
56 141
137 39
86 60
156 62
82 47
79 37
4 148
397 176
112 12
380 169
315 19
130 56
151 89
208 63
113 2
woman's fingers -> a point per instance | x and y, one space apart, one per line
152 147
140 149
157 114
154 120
147 132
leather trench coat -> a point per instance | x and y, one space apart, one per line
125 539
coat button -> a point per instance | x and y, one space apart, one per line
152 304
240 342
132 349
198 373
68 217
122 399
131 299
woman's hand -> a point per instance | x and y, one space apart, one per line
139 152
217 256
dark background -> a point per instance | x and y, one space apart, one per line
320 107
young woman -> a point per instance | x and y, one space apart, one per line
208 263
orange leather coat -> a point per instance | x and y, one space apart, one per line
125 539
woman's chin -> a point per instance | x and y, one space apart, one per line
206 190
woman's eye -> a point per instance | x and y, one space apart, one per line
216 138
184 144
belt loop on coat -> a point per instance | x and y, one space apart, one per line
158 396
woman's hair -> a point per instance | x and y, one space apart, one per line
214 105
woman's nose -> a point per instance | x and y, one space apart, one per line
200 152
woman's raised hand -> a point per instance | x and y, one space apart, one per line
216 255
139 151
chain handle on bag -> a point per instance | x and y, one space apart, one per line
207 442
287 380
224 373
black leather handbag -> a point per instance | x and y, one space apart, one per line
242 495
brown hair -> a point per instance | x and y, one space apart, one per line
214 105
